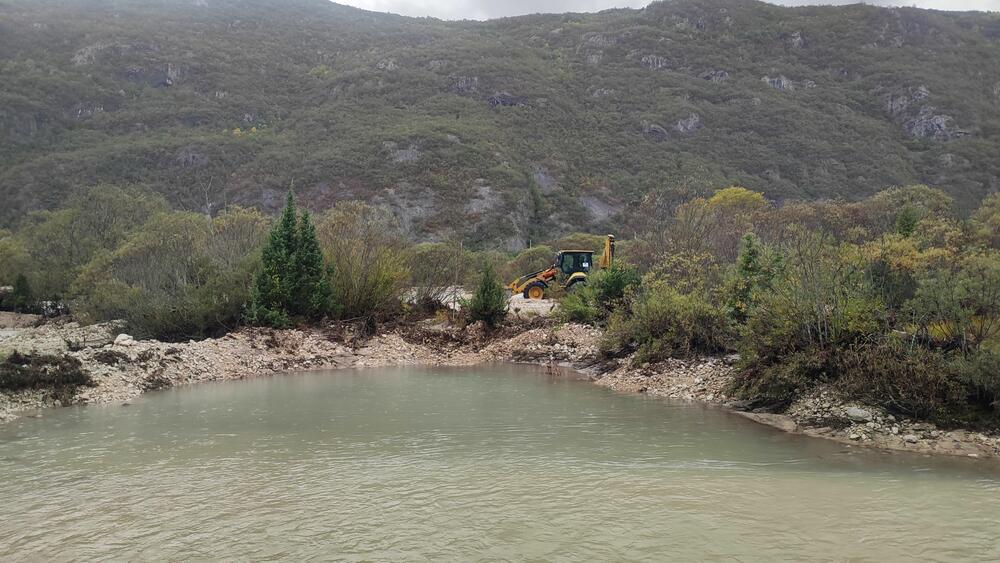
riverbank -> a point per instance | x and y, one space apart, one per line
123 368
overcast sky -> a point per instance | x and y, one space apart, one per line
485 9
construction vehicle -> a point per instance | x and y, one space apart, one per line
569 270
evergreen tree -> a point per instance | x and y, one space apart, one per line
21 297
312 295
293 281
489 303
754 272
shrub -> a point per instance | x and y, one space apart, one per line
22 299
367 255
603 292
958 306
661 323
489 302
23 371
182 276
579 306
906 379
774 386
436 270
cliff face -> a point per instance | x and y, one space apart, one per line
491 131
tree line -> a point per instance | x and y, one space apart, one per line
895 300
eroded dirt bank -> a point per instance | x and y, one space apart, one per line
123 368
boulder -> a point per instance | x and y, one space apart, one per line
124 340
779 83
858 415
690 124
715 76
654 132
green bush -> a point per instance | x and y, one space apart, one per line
436 270
604 291
368 258
755 269
489 302
905 379
182 276
24 371
22 298
774 386
661 323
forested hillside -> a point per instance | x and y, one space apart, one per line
496 132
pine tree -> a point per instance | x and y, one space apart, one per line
312 296
489 302
273 290
293 281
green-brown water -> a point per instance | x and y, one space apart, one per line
466 464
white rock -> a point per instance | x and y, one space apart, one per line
124 340
910 438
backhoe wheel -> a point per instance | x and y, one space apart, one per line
534 291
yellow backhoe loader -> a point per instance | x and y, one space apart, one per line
569 270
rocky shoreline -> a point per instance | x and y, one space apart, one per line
123 368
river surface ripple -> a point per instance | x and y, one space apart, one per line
477 463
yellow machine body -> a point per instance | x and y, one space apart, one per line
569 269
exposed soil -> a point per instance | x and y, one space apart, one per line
123 368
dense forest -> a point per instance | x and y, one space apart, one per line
500 133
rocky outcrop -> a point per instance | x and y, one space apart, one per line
689 124
779 83
506 99
898 103
785 84
654 62
911 109
544 179
83 110
401 155
599 209
715 76
484 198
599 40
931 125
465 85
654 132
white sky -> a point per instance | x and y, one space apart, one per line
485 9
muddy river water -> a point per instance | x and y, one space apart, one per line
480 463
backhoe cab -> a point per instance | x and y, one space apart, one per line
569 270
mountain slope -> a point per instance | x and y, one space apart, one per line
498 132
